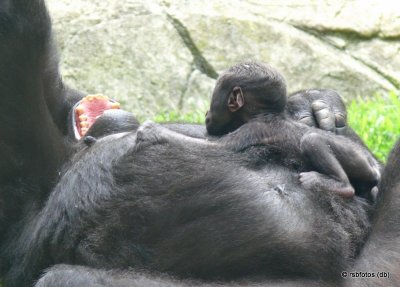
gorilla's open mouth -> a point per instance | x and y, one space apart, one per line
88 110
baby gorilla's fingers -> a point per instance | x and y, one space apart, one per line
307 118
340 123
340 120
324 116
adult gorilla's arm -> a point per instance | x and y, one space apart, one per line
34 103
77 276
30 144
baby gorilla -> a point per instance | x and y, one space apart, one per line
248 102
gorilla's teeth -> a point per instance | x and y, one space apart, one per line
89 108
95 97
80 110
84 124
100 96
115 105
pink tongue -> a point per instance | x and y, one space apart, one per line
89 109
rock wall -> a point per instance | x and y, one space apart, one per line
158 55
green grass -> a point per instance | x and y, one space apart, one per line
376 120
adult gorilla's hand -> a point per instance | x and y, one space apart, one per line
319 108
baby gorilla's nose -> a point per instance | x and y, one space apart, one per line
207 118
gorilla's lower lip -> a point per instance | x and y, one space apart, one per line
86 111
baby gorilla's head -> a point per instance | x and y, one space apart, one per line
243 92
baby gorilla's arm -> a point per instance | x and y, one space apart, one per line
336 159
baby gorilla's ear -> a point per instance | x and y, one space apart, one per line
236 99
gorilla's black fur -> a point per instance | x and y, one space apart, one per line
134 208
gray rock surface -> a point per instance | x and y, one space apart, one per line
155 55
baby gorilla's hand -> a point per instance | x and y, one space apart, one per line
327 118
319 108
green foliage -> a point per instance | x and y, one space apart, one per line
377 121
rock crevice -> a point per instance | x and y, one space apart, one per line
199 61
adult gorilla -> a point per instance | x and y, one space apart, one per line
132 204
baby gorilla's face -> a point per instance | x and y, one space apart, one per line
217 123
219 118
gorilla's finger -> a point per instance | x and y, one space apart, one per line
340 123
324 115
342 131
340 120
307 119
